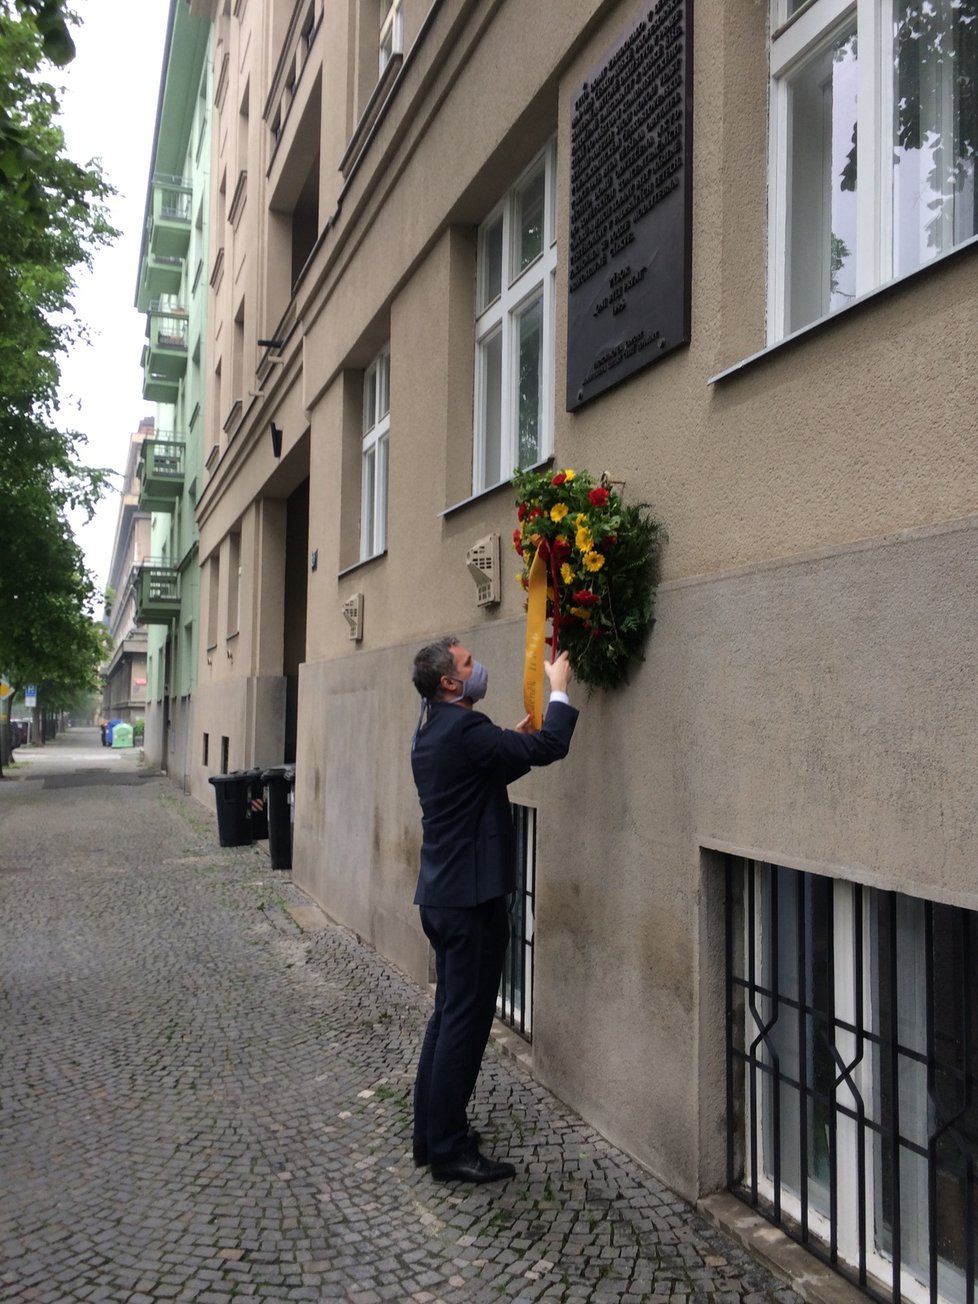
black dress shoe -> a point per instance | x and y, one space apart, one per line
473 1168
420 1148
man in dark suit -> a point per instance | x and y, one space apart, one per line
462 763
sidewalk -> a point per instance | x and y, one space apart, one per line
202 1100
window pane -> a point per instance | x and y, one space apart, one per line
935 130
531 220
530 395
370 399
367 508
383 385
380 511
492 385
821 235
491 263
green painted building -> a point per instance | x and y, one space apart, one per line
172 292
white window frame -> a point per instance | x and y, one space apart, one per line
375 449
794 41
519 289
391 32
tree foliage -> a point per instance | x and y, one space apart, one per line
52 219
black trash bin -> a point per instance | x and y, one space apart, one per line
257 814
232 794
279 784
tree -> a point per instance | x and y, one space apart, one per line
17 157
52 218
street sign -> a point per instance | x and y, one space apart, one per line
5 689
30 695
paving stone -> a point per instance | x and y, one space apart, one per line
224 1099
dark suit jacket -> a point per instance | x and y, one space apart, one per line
462 763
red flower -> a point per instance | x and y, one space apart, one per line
521 512
585 598
534 511
544 549
518 542
595 632
598 496
561 550
559 479
608 542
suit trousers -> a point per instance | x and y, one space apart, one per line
470 945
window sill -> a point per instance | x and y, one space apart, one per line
823 323
359 565
371 114
486 493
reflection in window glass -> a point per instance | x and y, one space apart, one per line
531 220
374 457
514 328
935 130
491 263
530 382
492 372
822 209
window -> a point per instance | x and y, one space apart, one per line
515 1002
852 1066
234 585
896 76
373 466
391 31
517 258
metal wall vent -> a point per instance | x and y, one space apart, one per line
353 615
482 560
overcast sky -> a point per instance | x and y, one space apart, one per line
109 101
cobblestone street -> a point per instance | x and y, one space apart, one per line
202 1100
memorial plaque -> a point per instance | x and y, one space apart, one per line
630 206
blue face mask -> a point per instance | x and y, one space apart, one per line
474 688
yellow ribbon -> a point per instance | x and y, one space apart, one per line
536 628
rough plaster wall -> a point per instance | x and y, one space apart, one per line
816 711
819 712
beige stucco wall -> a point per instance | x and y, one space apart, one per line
808 693
816 712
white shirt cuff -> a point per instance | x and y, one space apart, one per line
558 696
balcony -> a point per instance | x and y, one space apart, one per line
166 331
169 231
161 473
156 586
161 274
158 388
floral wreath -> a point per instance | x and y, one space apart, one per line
602 559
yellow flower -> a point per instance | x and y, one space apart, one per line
594 561
581 613
567 573
569 473
523 580
583 539
558 511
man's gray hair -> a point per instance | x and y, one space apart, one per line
431 663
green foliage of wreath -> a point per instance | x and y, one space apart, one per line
603 559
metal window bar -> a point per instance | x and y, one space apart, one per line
515 1002
837 1056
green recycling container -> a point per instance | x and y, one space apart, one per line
122 735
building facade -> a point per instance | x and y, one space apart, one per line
750 892
124 674
172 291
